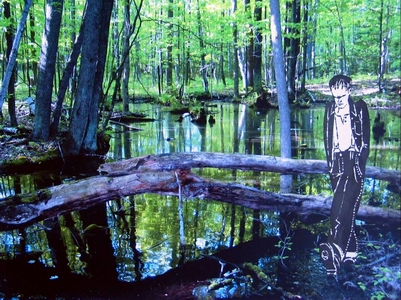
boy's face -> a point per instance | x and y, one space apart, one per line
340 94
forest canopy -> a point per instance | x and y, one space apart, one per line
173 47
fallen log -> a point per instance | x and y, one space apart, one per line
22 210
125 125
131 118
234 161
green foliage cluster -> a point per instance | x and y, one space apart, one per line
366 29
378 264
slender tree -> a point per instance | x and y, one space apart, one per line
204 67
284 107
47 65
257 52
117 72
343 52
304 45
235 54
169 68
13 55
311 38
292 45
67 75
249 57
382 43
33 64
126 64
11 85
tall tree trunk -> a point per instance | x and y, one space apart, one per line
293 49
34 78
13 55
242 66
188 70
82 135
204 67
249 48
382 46
343 52
305 44
90 141
116 53
47 64
257 53
74 76
284 107
67 75
184 45
89 59
169 69
11 85
312 41
221 73
235 54
126 58
268 59
158 54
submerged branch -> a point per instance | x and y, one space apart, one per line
163 174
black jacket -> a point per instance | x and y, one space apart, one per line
360 125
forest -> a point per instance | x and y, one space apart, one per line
87 58
91 205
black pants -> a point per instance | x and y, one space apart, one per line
347 183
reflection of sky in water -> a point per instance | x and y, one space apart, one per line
8 240
157 261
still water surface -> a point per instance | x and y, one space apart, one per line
143 236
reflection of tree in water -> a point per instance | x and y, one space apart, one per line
378 133
101 264
378 128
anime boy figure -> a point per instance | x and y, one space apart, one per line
346 141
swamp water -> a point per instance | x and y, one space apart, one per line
113 250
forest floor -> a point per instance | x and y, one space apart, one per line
300 275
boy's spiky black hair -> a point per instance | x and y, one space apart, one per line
340 80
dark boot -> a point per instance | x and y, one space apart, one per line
331 256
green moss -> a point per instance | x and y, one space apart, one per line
49 155
258 271
20 160
41 195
